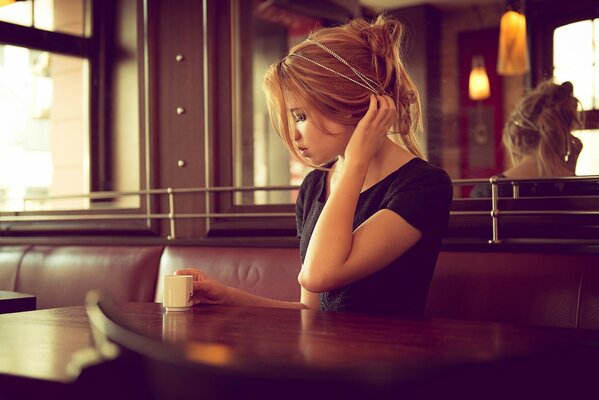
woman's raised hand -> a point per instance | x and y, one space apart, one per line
205 290
371 131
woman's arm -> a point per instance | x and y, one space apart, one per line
210 291
336 254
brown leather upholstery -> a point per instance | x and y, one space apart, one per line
62 275
10 258
270 272
553 289
529 288
588 316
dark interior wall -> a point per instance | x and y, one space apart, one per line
422 56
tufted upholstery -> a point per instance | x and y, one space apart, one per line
270 272
552 289
61 275
10 259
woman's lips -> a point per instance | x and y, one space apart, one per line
303 151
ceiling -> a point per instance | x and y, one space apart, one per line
379 5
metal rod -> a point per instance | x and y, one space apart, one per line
494 209
104 195
84 217
207 113
92 217
171 214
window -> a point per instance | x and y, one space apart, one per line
45 126
576 59
65 16
261 157
69 104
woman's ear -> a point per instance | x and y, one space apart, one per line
518 140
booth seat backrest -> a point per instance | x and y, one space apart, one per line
530 288
270 272
61 275
10 259
588 316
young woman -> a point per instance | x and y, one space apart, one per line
539 142
372 213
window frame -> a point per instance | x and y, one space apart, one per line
544 18
228 65
99 50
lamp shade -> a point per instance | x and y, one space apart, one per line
513 50
478 83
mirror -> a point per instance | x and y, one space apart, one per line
461 135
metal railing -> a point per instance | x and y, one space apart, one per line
495 212
84 215
171 215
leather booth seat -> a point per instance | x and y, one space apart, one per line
540 288
270 272
532 288
62 275
10 259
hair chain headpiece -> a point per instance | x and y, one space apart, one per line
366 83
524 122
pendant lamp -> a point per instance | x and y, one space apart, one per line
513 51
478 83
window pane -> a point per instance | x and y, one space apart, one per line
66 16
44 137
17 13
596 62
587 163
575 59
582 78
265 161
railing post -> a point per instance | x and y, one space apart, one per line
495 209
171 213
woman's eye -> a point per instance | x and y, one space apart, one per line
299 117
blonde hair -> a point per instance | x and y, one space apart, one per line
542 124
373 49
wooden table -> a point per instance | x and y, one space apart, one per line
16 302
36 347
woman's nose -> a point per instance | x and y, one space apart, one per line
297 135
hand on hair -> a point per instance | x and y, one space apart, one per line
371 131
205 290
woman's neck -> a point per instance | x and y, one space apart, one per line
529 168
388 159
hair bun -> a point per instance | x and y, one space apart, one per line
383 36
561 93
568 87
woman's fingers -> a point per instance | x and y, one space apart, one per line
205 289
189 271
371 112
385 113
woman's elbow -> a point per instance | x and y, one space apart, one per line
313 283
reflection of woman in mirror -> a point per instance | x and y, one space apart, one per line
539 141
372 213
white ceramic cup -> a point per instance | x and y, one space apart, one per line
178 292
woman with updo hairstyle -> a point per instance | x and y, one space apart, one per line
538 136
371 214
539 142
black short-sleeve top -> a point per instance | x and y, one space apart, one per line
421 194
